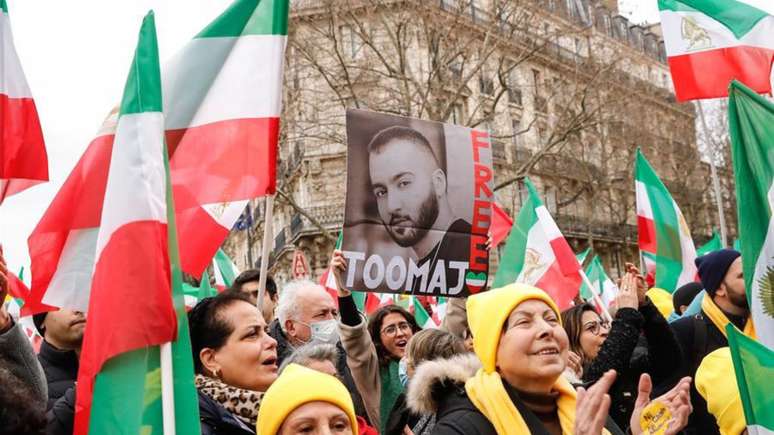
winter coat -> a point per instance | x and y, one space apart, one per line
217 420
438 387
61 368
631 354
698 337
285 349
18 357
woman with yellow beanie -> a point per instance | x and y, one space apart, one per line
305 401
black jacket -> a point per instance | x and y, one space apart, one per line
216 420
61 369
632 353
285 349
698 337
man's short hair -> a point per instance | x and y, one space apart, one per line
251 275
389 134
288 307
311 352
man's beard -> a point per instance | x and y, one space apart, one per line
739 300
428 213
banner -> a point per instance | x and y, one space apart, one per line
418 208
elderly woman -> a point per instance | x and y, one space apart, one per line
235 361
518 338
304 401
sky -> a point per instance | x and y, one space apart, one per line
76 57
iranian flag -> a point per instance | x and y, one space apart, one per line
664 238
537 253
423 318
221 99
131 309
601 284
751 125
224 269
709 43
501 225
23 159
581 257
712 244
754 369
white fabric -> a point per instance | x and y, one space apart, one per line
12 83
644 208
711 35
70 286
218 79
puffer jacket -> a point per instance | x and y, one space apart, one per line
217 420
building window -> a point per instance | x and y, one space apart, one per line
516 124
536 81
350 41
486 85
456 114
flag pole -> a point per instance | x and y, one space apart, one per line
605 313
267 238
714 174
167 390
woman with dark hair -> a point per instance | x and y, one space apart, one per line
235 361
374 350
622 346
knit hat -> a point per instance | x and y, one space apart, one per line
713 267
685 294
716 382
662 300
296 386
488 311
38 320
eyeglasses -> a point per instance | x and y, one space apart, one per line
596 327
392 330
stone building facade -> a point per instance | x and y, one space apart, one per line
568 90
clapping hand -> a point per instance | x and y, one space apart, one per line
593 405
677 401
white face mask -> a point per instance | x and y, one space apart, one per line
325 331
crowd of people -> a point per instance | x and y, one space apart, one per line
503 361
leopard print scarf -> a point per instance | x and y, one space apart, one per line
242 403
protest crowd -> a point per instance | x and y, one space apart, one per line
407 332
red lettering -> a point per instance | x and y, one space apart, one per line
481 220
480 140
483 175
479 256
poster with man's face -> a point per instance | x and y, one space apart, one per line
418 206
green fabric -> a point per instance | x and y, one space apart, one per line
582 256
754 368
226 267
3 6
142 92
512 260
250 17
712 245
669 255
751 127
391 390
205 290
737 16
595 272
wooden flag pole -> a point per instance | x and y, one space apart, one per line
167 390
268 236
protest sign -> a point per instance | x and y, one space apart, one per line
418 206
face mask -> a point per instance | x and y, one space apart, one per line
325 331
403 372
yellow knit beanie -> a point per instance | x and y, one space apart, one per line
488 311
296 386
716 382
662 300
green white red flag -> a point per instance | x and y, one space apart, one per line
754 369
751 125
23 158
423 318
601 284
132 312
537 253
222 100
712 244
500 226
711 42
224 269
664 238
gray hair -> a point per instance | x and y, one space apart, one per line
287 306
312 352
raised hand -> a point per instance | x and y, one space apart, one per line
338 266
627 296
593 405
575 363
677 401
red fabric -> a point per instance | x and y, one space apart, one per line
130 305
23 158
501 225
562 280
646 234
707 74
331 291
364 428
